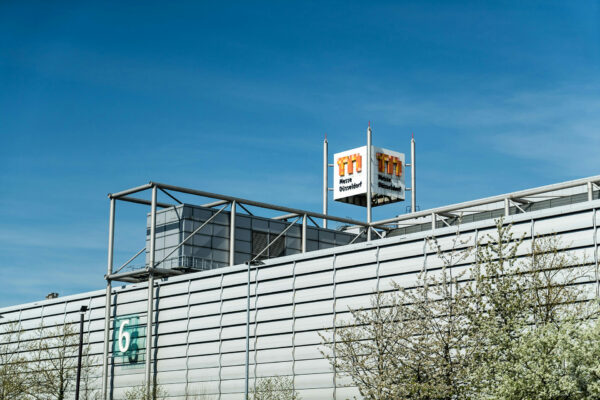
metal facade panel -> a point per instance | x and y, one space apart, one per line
201 316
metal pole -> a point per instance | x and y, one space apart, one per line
149 335
506 207
413 176
325 180
304 233
77 382
433 221
111 241
79 357
369 214
590 190
232 234
247 377
150 295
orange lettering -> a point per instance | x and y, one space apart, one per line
398 167
341 162
358 162
351 158
389 164
379 162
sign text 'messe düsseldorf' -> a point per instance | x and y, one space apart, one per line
387 175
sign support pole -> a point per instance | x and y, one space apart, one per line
149 380
413 176
325 180
111 243
369 162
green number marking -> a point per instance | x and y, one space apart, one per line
129 340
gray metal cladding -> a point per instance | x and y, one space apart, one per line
200 317
209 248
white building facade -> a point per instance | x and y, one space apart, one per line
199 318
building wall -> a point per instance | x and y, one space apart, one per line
209 248
200 330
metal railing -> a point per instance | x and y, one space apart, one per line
195 263
509 201
506 201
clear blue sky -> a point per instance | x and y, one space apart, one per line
235 98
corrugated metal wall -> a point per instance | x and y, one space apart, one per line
200 331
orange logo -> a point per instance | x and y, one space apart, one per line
389 164
350 160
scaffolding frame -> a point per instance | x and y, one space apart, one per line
505 201
150 272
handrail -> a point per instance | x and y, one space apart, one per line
258 204
492 199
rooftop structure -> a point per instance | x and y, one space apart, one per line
219 330
208 248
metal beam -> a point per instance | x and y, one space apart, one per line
145 202
325 180
165 271
216 203
413 177
285 216
232 234
369 194
171 196
123 276
303 233
150 312
493 199
131 280
129 191
140 275
313 221
130 260
273 241
520 201
360 233
111 242
377 232
448 215
259 204
247 366
245 209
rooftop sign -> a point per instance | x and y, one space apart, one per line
387 176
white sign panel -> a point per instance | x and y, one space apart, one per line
387 182
350 176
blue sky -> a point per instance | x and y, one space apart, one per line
235 98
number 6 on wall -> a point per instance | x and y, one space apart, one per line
123 347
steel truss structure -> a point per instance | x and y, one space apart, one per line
152 270
511 203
